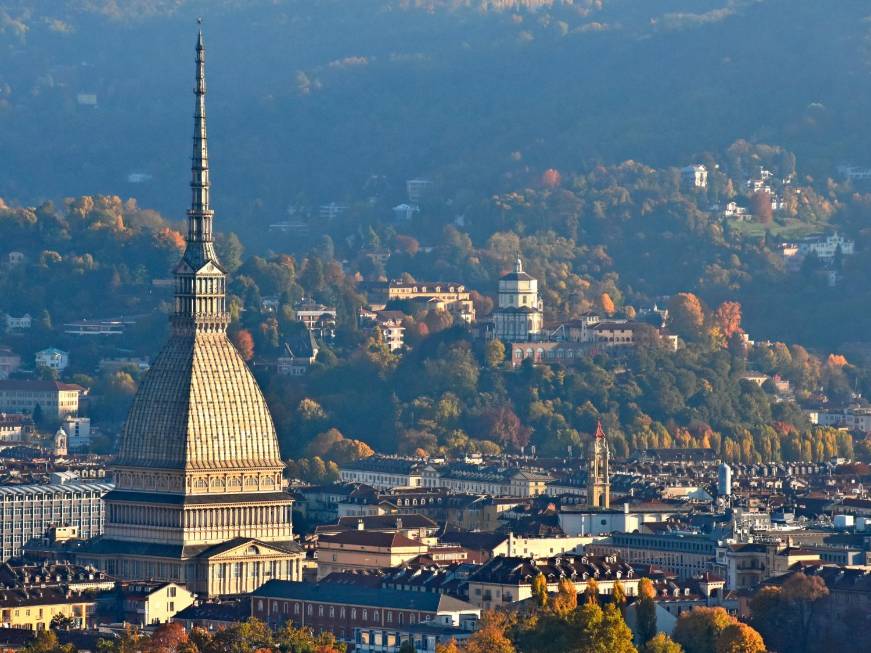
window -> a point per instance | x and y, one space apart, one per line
365 615
296 608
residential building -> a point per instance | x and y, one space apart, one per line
79 432
613 333
300 353
347 609
686 555
331 211
34 610
694 176
557 351
145 604
418 190
404 212
747 565
55 399
493 480
383 472
199 495
320 320
9 362
359 550
18 323
15 428
30 512
581 520
52 358
519 314
438 295
97 327
388 323
117 364
508 579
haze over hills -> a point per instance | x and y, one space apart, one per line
310 99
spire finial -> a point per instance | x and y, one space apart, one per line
518 264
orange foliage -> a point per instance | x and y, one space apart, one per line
607 304
551 178
728 318
172 237
836 360
244 343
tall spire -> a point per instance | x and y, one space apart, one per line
200 293
200 213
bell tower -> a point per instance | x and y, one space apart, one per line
598 476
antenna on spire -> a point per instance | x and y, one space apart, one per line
199 20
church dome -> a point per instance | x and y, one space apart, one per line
199 408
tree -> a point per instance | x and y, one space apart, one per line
566 599
686 317
301 640
661 643
697 631
230 251
615 636
244 344
551 178
539 590
490 637
591 593
46 641
606 304
594 630
646 611
739 638
787 615
618 595
494 354
728 318
168 638
448 647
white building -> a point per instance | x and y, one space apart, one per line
694 176
30 512
79 431
23 322
519 315
404 212
418 189
825 248
53 358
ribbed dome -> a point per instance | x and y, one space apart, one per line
199 408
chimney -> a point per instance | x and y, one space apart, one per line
399 523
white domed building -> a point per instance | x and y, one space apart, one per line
519 315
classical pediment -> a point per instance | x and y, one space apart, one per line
250 549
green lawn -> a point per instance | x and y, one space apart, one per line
787 229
